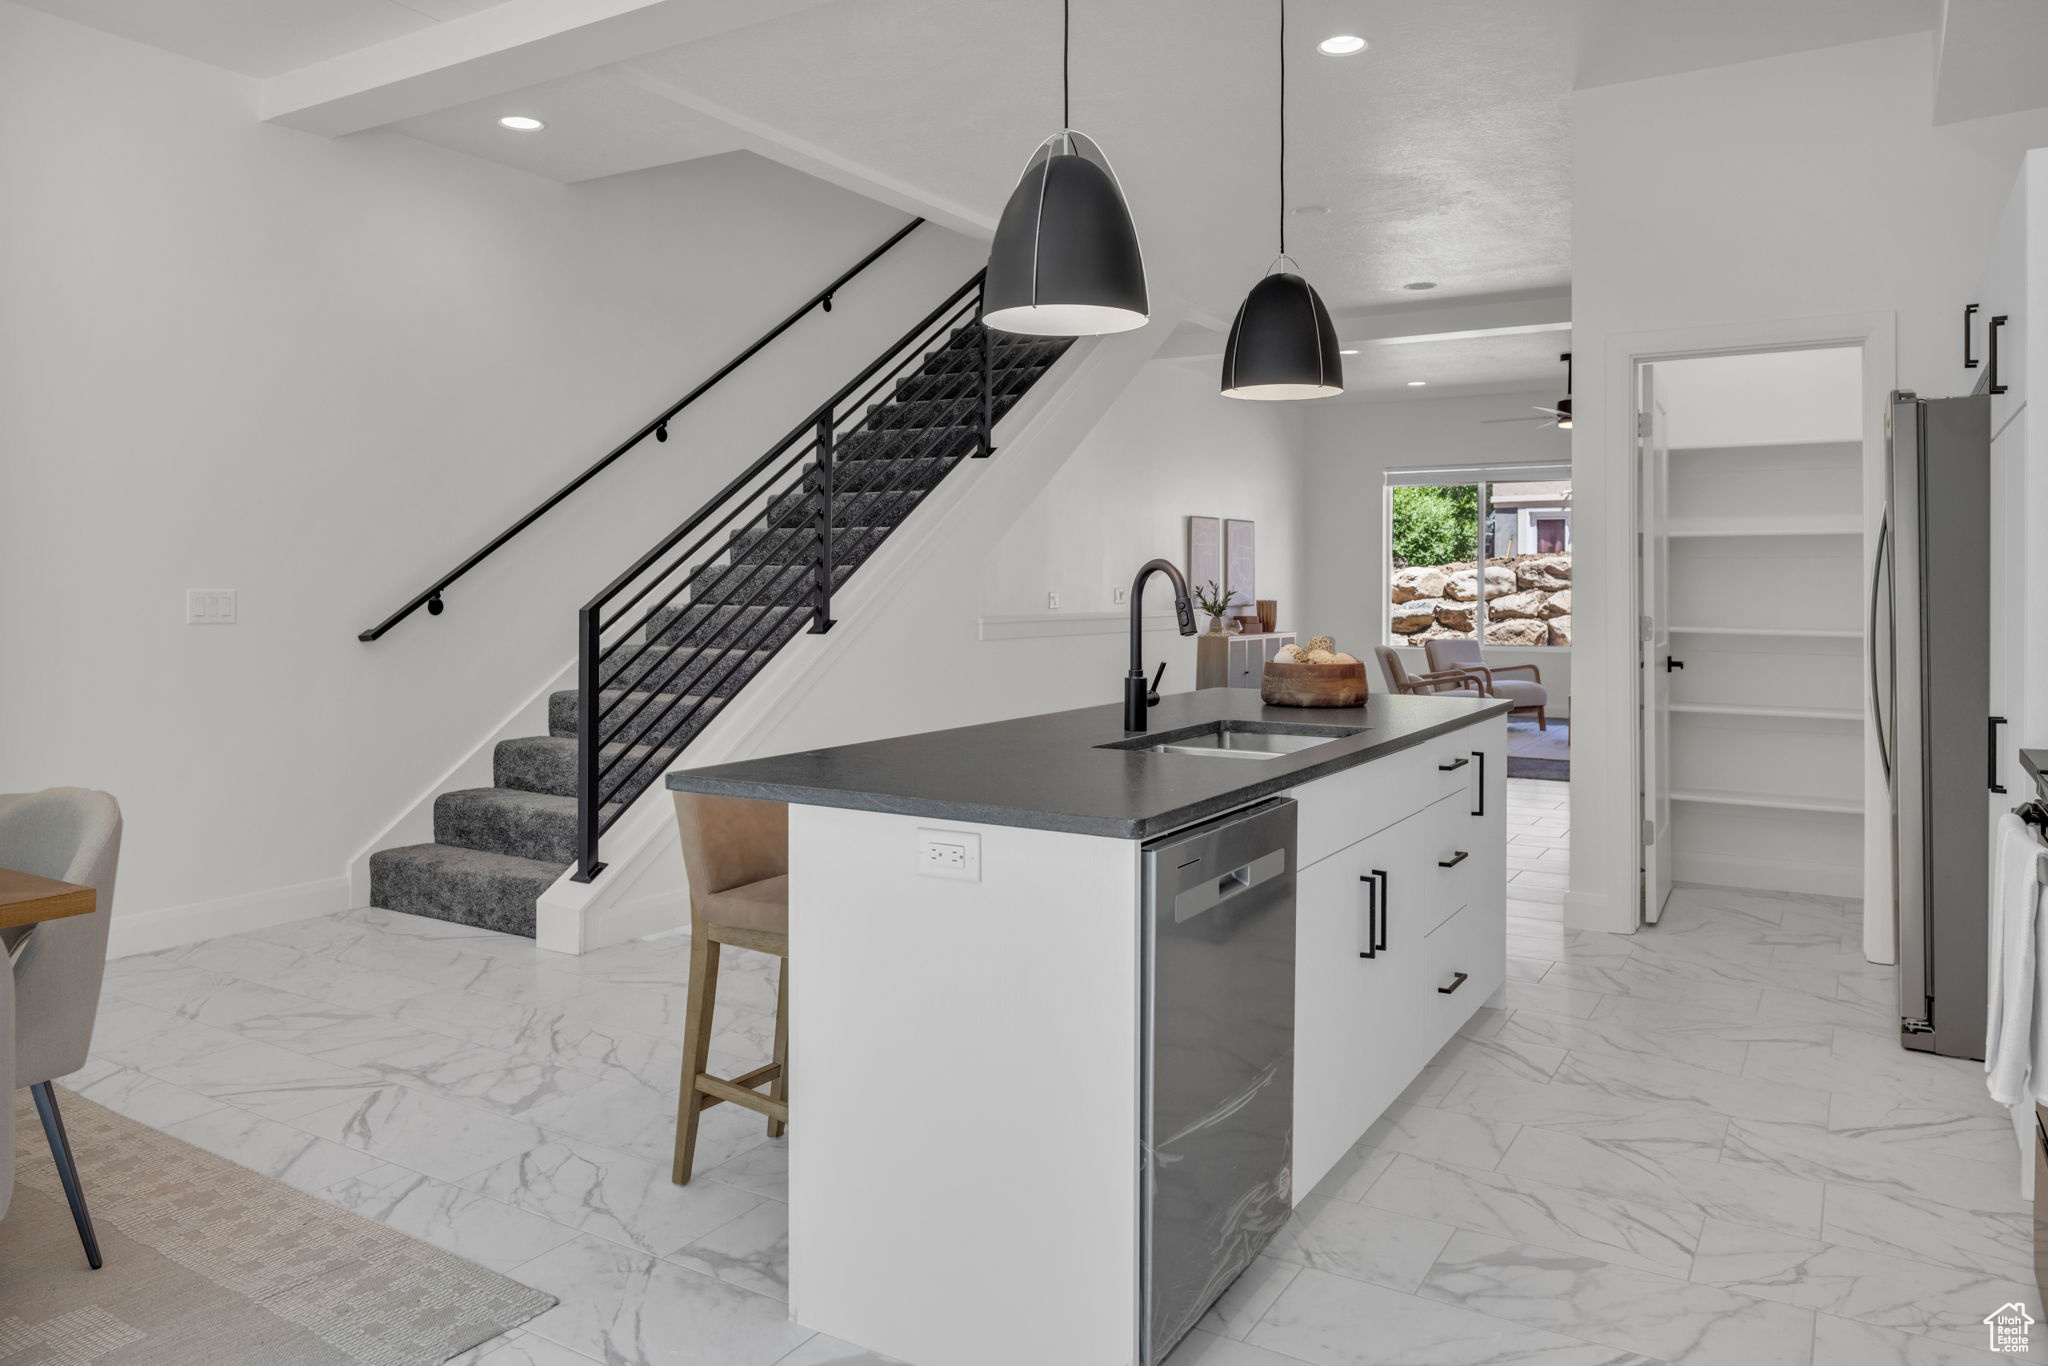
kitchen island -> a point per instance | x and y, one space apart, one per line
975 1050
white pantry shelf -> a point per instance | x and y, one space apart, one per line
1845 806
1789 713
1691 527
1795 631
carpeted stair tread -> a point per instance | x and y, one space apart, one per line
656 715
964 357
937 412
673 666
1010 379
490 891
850 544
503 820
759 585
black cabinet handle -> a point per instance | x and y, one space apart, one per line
1452 765
1457 857
1991 754
1969 312
1372 916
1670 664
1457 980
1480 808
1995 387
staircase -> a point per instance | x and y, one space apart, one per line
670 641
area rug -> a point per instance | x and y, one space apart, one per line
1557 770
210 1264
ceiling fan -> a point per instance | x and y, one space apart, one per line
1561 415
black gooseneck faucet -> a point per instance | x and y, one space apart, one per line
1137 696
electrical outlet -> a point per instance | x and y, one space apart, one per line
1119 595
209 607
1052 601
949 853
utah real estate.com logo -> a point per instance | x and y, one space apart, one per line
2008 1326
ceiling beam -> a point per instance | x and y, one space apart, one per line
507 47
1987 59
1494 315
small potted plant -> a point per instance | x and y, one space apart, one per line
1215 602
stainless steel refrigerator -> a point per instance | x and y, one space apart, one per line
1930 643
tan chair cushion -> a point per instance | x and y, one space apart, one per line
762 905
1522 692
731 841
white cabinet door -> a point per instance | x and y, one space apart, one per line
1998 329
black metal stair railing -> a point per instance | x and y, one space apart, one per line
656 427
663 645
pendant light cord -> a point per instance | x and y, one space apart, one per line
1066 49
1283 127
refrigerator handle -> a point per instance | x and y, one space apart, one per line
1969 361
1884 529
1992 333
1991 753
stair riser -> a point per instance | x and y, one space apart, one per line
710 626
850 546
764 585
944 444
505 904
1006 356
960 384
849 509
547 836
547 764
673 668
950 412
648 724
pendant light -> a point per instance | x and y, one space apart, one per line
1282 344
1065 261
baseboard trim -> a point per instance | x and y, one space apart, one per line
1768 875
171 926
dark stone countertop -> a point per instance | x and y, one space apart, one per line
1046 772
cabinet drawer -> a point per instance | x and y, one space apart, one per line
1347 807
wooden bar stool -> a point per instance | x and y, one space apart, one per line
737 854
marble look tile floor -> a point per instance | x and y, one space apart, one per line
1698 1144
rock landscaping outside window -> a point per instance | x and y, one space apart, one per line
1520 594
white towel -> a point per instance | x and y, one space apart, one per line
2013 1024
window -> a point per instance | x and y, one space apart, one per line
1443 523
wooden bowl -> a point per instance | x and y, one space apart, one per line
1313 685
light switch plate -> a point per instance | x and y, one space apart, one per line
949 853
209 607
1052 601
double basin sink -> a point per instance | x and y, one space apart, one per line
1237 739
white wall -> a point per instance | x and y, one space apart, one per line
1773 398
320 372
1171 448
1349 447
1803 187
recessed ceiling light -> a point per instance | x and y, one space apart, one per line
1341 45
1420 284
1311 210
522 123
1352 352
1417 383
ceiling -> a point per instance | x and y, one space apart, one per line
1439 154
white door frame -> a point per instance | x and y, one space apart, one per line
1605 835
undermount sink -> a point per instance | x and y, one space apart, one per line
1237 739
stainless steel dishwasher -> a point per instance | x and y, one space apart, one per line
1218 1072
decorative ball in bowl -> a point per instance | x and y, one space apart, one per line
1288 684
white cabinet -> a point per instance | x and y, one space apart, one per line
1399 936
1997 328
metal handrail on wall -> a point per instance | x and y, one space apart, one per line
657 427
787 500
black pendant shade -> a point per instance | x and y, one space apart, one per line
1065 262
1282 344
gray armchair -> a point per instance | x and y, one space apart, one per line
74 835
1456 683
1448 654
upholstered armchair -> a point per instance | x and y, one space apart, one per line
74 835
1455 683
1449 654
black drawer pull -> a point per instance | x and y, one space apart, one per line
1372 916
1457 857
1994 387
1457 980
1452 765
